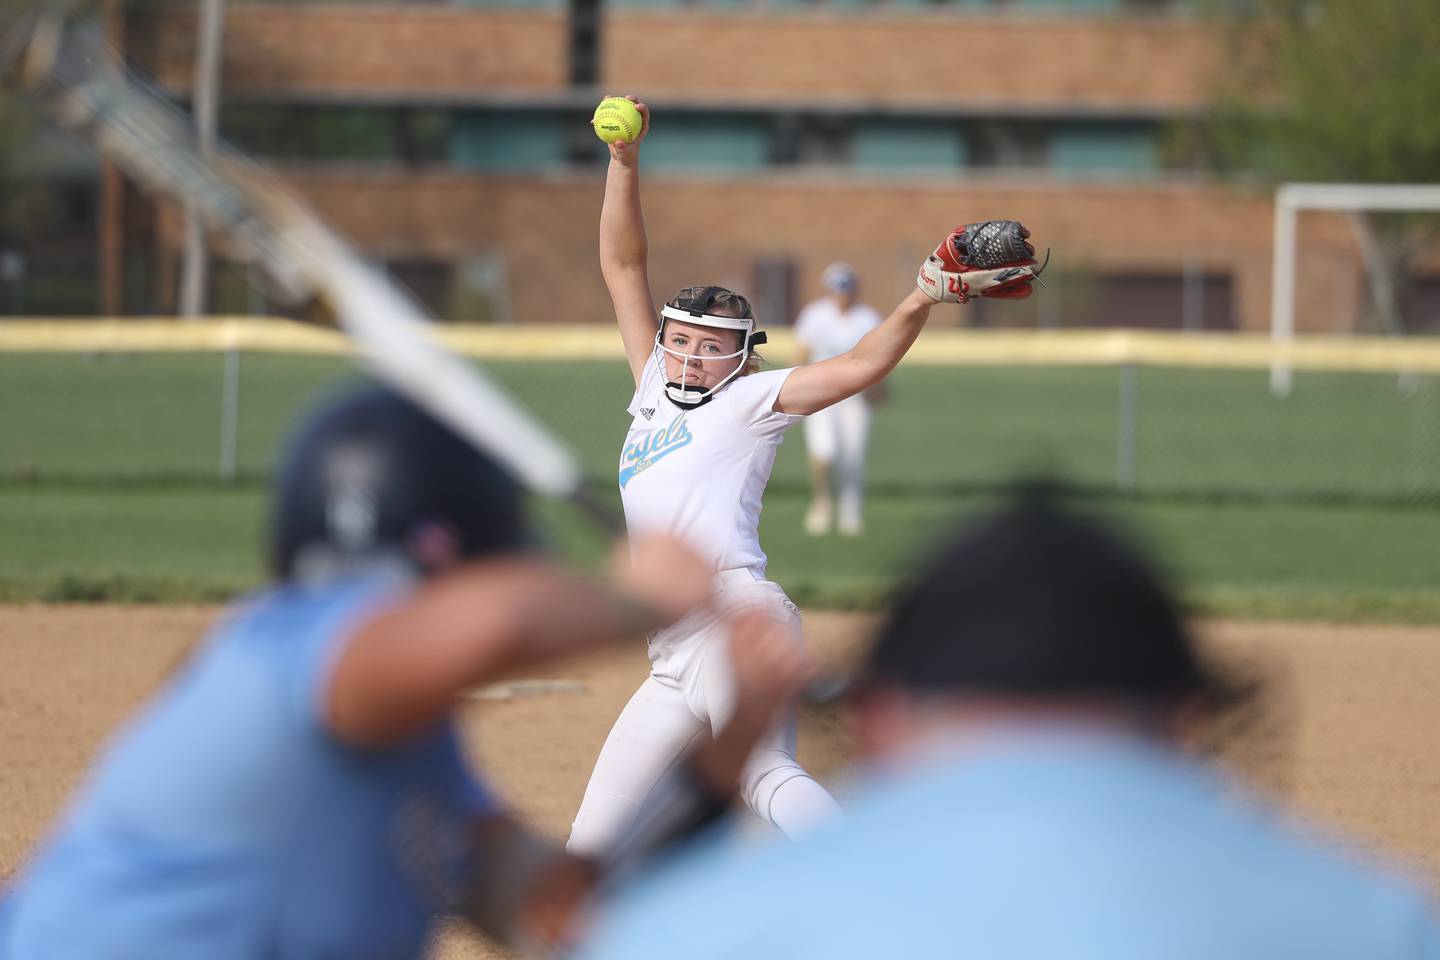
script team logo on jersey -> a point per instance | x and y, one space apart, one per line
643 454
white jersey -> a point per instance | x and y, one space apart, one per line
699 473
827 332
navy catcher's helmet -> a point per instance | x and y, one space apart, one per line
373 479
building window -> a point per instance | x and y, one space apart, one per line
1105 148
528 140
354 134
431 281
1009 144
1193 301
709 141
918 144
810 141
510 141
1420 306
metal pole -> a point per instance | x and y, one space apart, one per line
1192 298
255 300
110 209
206 96
1424 395
12 274
229 414
1282 291
1125 434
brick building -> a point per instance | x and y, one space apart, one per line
451 141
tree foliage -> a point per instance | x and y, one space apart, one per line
1336 91
17 198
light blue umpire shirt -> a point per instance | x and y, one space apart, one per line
1039 844
226 822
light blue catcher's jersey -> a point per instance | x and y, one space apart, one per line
226 822
1051 846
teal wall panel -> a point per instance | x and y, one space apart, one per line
881 144
709 143
1104 148
510 141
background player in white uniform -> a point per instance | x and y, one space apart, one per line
835 437
695 462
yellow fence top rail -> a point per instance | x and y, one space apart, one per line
938 347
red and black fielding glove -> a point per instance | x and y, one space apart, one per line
991 258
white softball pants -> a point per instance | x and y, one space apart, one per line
689 690
837 435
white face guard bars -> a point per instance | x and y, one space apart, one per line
692 395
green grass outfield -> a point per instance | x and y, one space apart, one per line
147 543
1325 505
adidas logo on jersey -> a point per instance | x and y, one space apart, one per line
647 412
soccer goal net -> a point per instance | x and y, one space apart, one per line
1392 234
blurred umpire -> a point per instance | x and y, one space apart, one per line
298 789
1028 796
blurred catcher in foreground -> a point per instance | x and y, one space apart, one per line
298 788
1023 712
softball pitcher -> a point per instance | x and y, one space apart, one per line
706 426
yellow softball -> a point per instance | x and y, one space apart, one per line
617 119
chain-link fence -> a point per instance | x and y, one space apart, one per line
1132 427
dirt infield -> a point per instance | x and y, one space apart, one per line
1349 737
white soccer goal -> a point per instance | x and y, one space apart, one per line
1290 199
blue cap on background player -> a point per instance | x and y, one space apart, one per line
840 277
